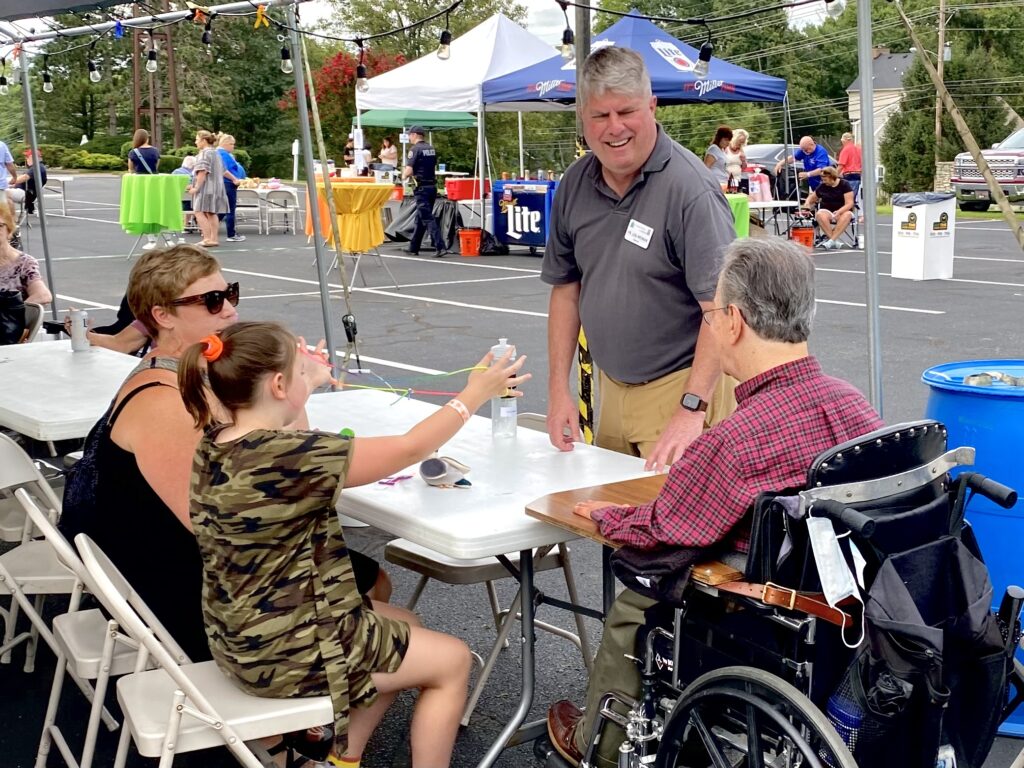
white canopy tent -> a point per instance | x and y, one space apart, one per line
491 49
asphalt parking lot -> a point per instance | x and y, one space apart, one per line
443 316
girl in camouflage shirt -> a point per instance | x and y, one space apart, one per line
283 615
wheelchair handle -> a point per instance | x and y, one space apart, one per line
856 521
1002 495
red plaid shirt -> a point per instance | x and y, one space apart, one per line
785 417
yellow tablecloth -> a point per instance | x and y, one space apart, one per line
151 203
358 206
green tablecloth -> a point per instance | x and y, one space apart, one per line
151 203
740 205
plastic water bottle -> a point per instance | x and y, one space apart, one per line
503 409
79 325
846 717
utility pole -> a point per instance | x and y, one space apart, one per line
940 55
582 51
998 197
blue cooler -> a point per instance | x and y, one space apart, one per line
522 210
989 418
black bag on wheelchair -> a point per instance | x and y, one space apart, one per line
933 664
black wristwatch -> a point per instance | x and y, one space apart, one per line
692 402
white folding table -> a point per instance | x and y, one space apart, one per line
51 393
776 207
486 520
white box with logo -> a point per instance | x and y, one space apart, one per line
923 233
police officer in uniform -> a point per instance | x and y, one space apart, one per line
420 165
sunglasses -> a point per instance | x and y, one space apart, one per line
214 300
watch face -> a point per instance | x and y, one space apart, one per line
691 401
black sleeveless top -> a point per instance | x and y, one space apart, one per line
156 553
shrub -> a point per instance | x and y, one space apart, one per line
100 162
107 145
244 158
72 158
168 163
180 152
126 147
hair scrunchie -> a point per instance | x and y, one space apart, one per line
213 347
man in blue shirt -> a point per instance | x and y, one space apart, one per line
814 158
421 165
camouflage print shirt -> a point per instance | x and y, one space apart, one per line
283 615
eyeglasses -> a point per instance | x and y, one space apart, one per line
214 300
706 312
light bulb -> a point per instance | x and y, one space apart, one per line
47 83
151 64
700 69
361 82
444 48
94 73
286 61
568 47
834 8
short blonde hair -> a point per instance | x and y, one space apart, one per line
831 171
226 138
7 218
207 138
847 136
159 277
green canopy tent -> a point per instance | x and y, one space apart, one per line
405 118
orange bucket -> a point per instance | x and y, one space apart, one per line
398 193
804 235
469 242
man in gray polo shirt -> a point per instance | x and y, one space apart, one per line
638 229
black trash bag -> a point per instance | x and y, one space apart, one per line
489 246
12 317
448 216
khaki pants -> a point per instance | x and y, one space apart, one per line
631 417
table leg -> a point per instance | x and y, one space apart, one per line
607 580
526 627
132 251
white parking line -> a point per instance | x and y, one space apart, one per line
86 218
464 282
881 306
76 301
946 280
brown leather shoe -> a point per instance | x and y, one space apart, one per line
563 718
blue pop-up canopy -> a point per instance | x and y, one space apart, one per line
669 61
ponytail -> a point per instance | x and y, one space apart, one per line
192 385
235 362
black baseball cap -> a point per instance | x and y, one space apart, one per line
418 129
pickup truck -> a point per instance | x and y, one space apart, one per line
1006 159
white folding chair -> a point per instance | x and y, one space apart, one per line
33 321
248 205
179 706
434 565
89 647
30 571
283 205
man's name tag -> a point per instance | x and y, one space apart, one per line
639 234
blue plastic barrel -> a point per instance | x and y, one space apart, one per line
990 419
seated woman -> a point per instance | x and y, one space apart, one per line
834 197
20 281
282 610
143 464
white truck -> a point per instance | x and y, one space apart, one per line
1006 159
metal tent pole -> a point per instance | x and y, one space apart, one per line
522 154
322 262
37 176
869 198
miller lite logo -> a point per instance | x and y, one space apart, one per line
520 220
671 53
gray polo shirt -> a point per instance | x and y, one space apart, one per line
639 305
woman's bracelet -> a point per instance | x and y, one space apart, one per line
460 408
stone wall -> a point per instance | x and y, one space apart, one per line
943 173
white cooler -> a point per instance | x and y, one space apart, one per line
923 229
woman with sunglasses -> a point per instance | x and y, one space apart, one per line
144 460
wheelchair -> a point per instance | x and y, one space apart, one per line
759 672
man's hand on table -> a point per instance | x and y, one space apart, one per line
682 429
584 508
562 413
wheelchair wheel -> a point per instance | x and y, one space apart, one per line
744 717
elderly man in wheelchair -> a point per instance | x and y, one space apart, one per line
848 621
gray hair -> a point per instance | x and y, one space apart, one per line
619 70
772 282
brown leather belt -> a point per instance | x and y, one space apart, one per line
811 603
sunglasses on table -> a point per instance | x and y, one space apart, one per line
213 300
